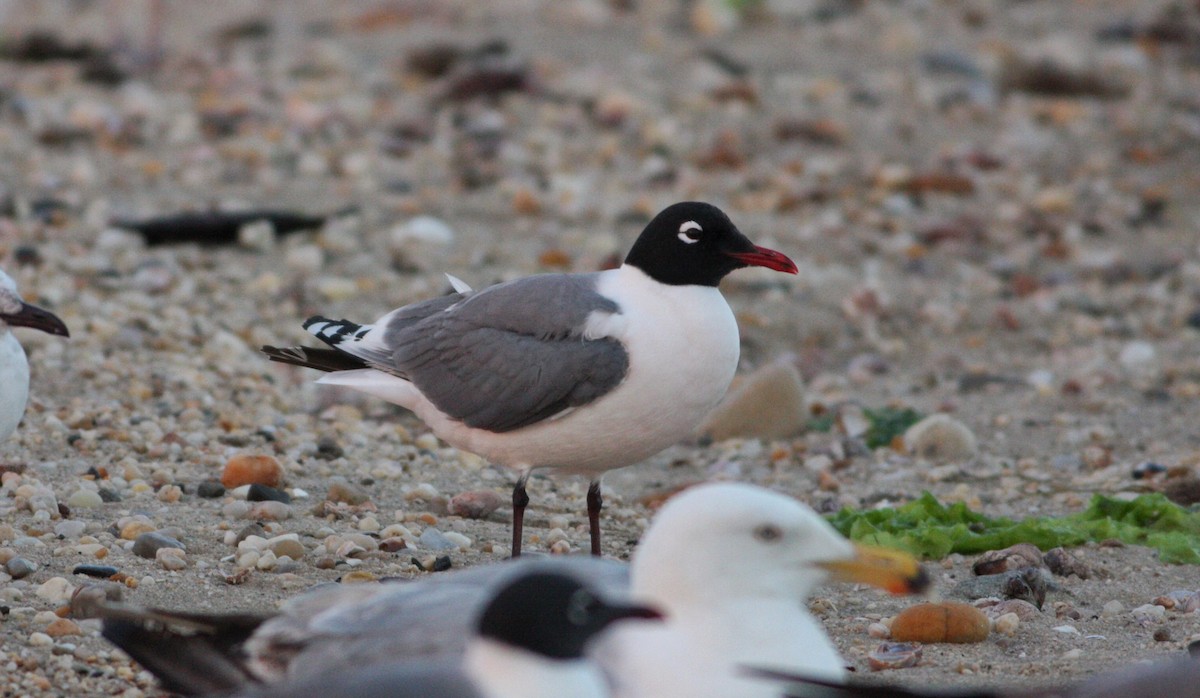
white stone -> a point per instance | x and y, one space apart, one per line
84 499
55 590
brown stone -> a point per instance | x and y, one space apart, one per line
246 469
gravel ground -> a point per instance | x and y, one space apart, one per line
992 204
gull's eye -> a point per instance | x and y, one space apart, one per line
690 232
768 533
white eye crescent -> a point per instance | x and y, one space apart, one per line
686 232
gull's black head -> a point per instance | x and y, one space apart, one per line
694 243
552 615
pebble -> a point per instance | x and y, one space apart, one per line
133 529
84 499
1007 624
287 544
70 529
1064 564
39 639
433 539
1149 613
62 627
946 621
341 490
148 544
19 568
1011 558
766 404
940 437
173 559
269 511
1113 608
210 489
55 590
894 655
475 505
262 493
97 571
879 631
246 469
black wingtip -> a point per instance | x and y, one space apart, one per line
319 358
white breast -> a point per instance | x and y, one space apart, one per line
14 383
506 672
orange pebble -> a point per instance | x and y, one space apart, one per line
946 621
249 470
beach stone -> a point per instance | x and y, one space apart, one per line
1014 557
97 571
19 568
766 404
70 529
62 627
1007 624
133 529
173 559
475 505
940 437
393 544
341 490
40 639
247 469
1113 608
210 489
1064 564
148 544
269 511
262 493
84 499
287 544
946 621
894 655
433 539
55 590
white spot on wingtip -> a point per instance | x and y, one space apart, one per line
458 284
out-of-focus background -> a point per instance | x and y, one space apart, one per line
993 204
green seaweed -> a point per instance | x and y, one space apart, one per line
887 423
931 529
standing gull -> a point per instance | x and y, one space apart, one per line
14 368
730 566
579 372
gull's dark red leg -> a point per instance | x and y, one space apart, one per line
520 500
594 502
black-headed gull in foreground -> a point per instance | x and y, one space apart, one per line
729 565
579 372
527 643
14 368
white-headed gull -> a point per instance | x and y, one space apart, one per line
528 642
579 372
14 368
729 565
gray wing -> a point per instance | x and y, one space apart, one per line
510 355
443 679
336 626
